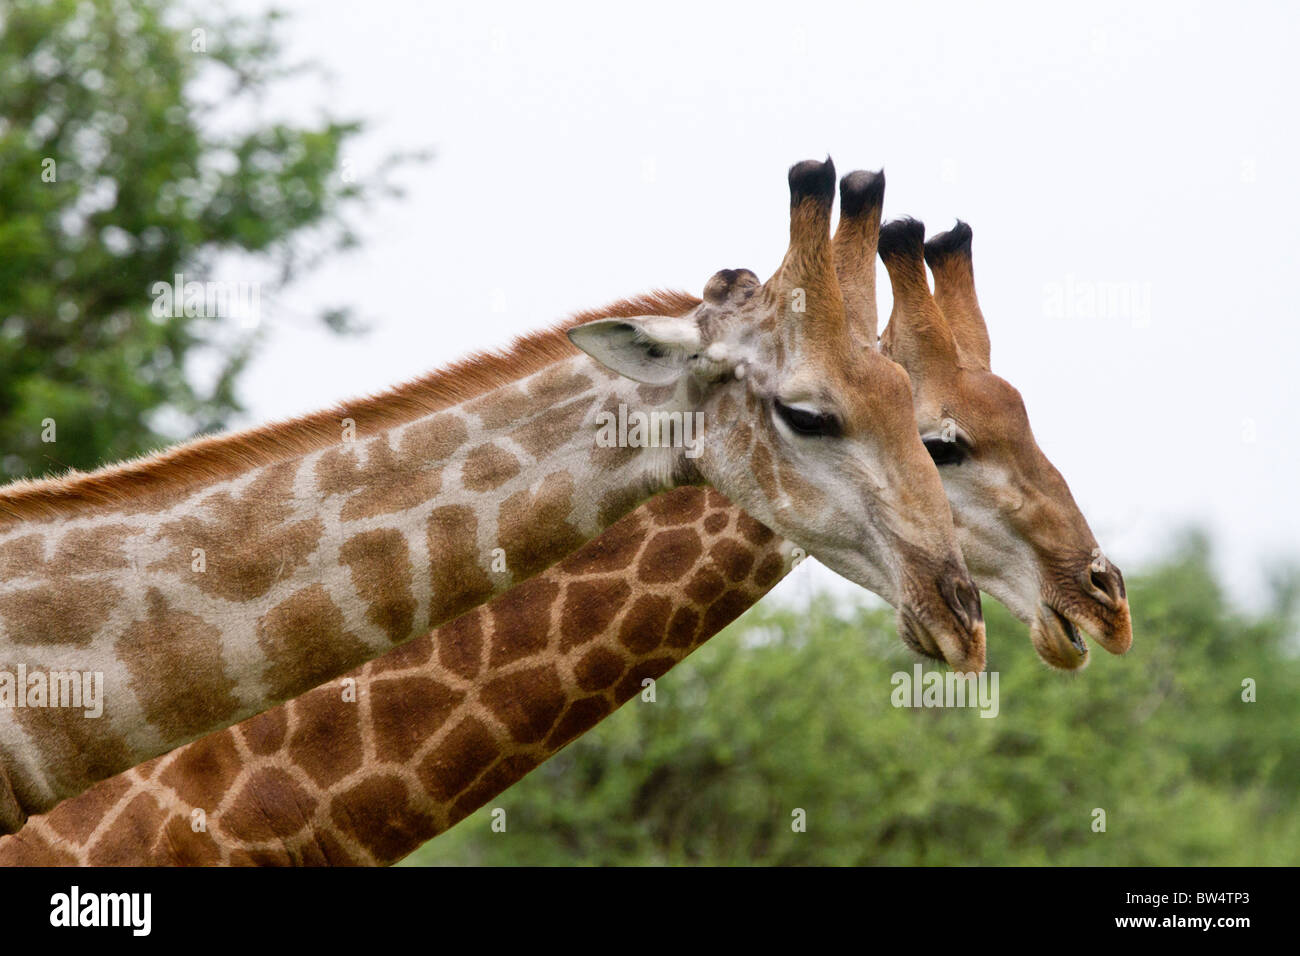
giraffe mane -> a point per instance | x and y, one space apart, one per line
216 457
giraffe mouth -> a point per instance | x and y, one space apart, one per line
966 656
1058 640
917 636
1071 631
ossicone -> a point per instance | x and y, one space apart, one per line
948 245
902 239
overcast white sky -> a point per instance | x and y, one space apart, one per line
590 151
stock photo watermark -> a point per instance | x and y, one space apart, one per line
925 689
75 690
656 429
1079 298
241 301
132 911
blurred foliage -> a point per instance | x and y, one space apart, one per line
791 708
127 156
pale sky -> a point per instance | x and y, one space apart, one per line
1130 173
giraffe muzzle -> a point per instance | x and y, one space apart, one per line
949 629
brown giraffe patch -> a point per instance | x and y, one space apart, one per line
381 572
551 429
409 656
435 439
755 532
676 507
380 815
20 557
187 847
486 467
682 628
27 848
270 805
616 457
653 668
518 630
328 850
384 485
88 550
176 669
727 408
460 644
140 822
557 383
261 858
264 733
459 580
716 521
739 442
533 529
760 461
669 555
69 612
797 486
528 702
326 736
644 626
201 775
599 669
502 407
82 748
656 395
769 571
614 550
589 609
618 503
247 545
714 499
501 775
581 716
146 770
705 585
733 559
305 642
724 610
454 764
406 711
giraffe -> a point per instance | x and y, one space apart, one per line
323 781
228 575
1001 486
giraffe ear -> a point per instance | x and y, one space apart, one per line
653 349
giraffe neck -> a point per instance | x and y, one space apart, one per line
363 770
234 596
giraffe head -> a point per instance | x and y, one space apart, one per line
806 429
1022 534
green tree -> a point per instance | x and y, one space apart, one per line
791 709
125 159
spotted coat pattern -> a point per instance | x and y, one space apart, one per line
217 602
438 727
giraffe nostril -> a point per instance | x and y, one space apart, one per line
964 600
1107 582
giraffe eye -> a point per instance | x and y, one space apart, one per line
805 421
946 452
